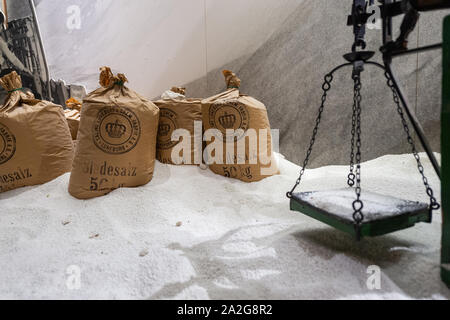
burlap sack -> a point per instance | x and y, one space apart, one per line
179 112
116 139
73 116
35 142
248 117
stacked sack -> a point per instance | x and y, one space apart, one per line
73 115
178 112
116 139
240 145
35 141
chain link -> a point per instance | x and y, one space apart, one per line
352 176
358 205
325 87
434 205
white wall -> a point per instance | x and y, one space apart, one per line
156 43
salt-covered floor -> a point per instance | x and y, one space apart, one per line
236 240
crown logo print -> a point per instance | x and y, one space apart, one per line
164 129
227 120
116 130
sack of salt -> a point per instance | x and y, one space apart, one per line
116 139
240 143
73 116
179 113
35 142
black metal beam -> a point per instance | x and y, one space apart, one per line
414 121
416 50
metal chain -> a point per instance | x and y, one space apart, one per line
325 87
434 205
352 176
358 205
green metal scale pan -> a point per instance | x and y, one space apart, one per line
383 214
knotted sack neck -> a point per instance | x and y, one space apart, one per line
12 83
108 79
179 90
232 81
73 104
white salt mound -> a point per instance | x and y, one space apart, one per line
234 240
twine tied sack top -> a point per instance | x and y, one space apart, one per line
73 104
12 83
175 93
179 90
108 79
232 81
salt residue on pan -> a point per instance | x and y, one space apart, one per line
376 206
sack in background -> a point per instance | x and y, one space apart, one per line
116 139
73 104
35 141
73 115
176 93
179 112
232 110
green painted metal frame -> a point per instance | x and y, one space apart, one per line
445 149
368 229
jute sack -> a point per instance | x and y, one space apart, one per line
245 152
116 139
73 115
179 112
35 142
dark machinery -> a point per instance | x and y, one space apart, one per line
350 210
22 50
